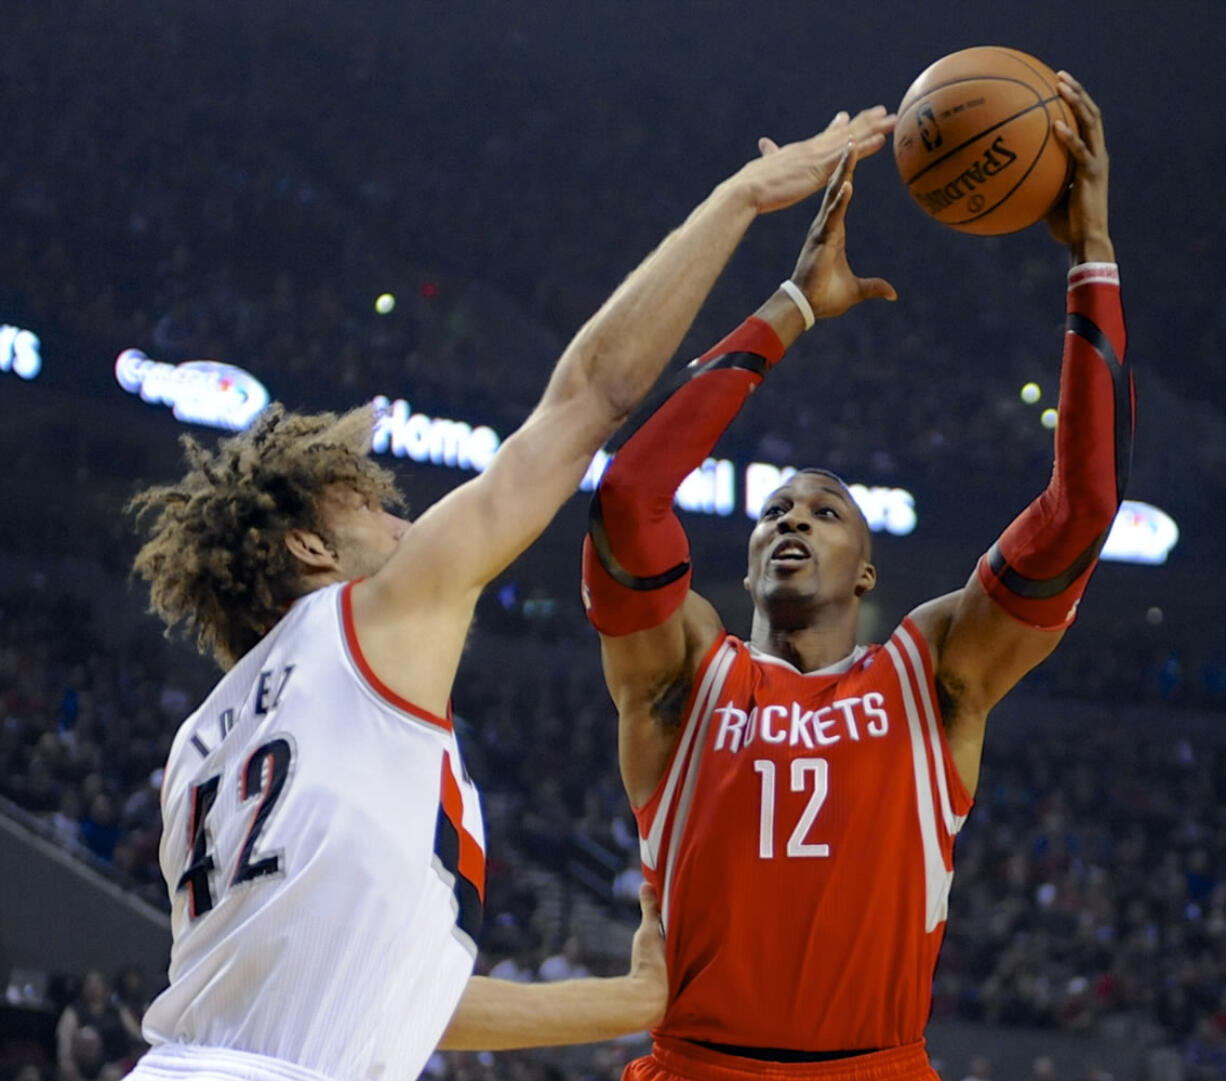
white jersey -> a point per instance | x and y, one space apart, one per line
324 853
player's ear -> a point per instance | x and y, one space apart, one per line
867 580
311 550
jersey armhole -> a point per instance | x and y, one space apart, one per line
960 799
645 814
366 675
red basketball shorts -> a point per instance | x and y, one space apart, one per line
677 1060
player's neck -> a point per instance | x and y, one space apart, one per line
310 582
809 648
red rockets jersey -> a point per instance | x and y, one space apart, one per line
801 841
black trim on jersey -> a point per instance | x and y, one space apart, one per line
1086 329
470 911
619 574
782 1054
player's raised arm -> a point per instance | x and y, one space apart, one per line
613 361
1025 591
427 589
636 567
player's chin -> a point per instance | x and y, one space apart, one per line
789 586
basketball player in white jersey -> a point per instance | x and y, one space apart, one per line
323 845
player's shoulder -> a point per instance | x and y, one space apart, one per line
932 620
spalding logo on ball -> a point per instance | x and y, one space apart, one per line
974 142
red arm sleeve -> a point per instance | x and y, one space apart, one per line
1039 568
636 562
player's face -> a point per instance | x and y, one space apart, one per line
363 533
809 543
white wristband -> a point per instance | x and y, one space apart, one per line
800 300
1085 273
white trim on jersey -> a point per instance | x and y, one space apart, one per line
721 663
836 669
649 846
953 823
937 878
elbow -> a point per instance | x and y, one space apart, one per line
1095 508
612 390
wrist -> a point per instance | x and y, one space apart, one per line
1094 247
738 192
797 296
781 313
1102 273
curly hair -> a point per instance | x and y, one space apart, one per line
215 557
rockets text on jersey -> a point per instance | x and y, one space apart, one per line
802 843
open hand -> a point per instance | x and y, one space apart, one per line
1080 218
784 175
822 271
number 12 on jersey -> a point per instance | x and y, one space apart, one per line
806 772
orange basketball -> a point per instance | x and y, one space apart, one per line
974 141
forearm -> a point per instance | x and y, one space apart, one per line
498 1015
1040 566
636 569
620 352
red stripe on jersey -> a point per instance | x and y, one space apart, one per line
472 858
368 674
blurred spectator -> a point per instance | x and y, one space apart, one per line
1044 1069
566 965
979 1069
91 1040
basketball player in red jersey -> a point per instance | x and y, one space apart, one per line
798 795
323 846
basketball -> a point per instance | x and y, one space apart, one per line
975 144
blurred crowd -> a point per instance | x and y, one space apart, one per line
215 197
1088 882
189 181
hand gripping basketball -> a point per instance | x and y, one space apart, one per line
975 142
1080 218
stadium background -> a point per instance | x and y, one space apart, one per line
240 182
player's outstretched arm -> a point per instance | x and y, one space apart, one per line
636 569
498 1015
468 538
1025 590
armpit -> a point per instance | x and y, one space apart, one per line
950 690
667 706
